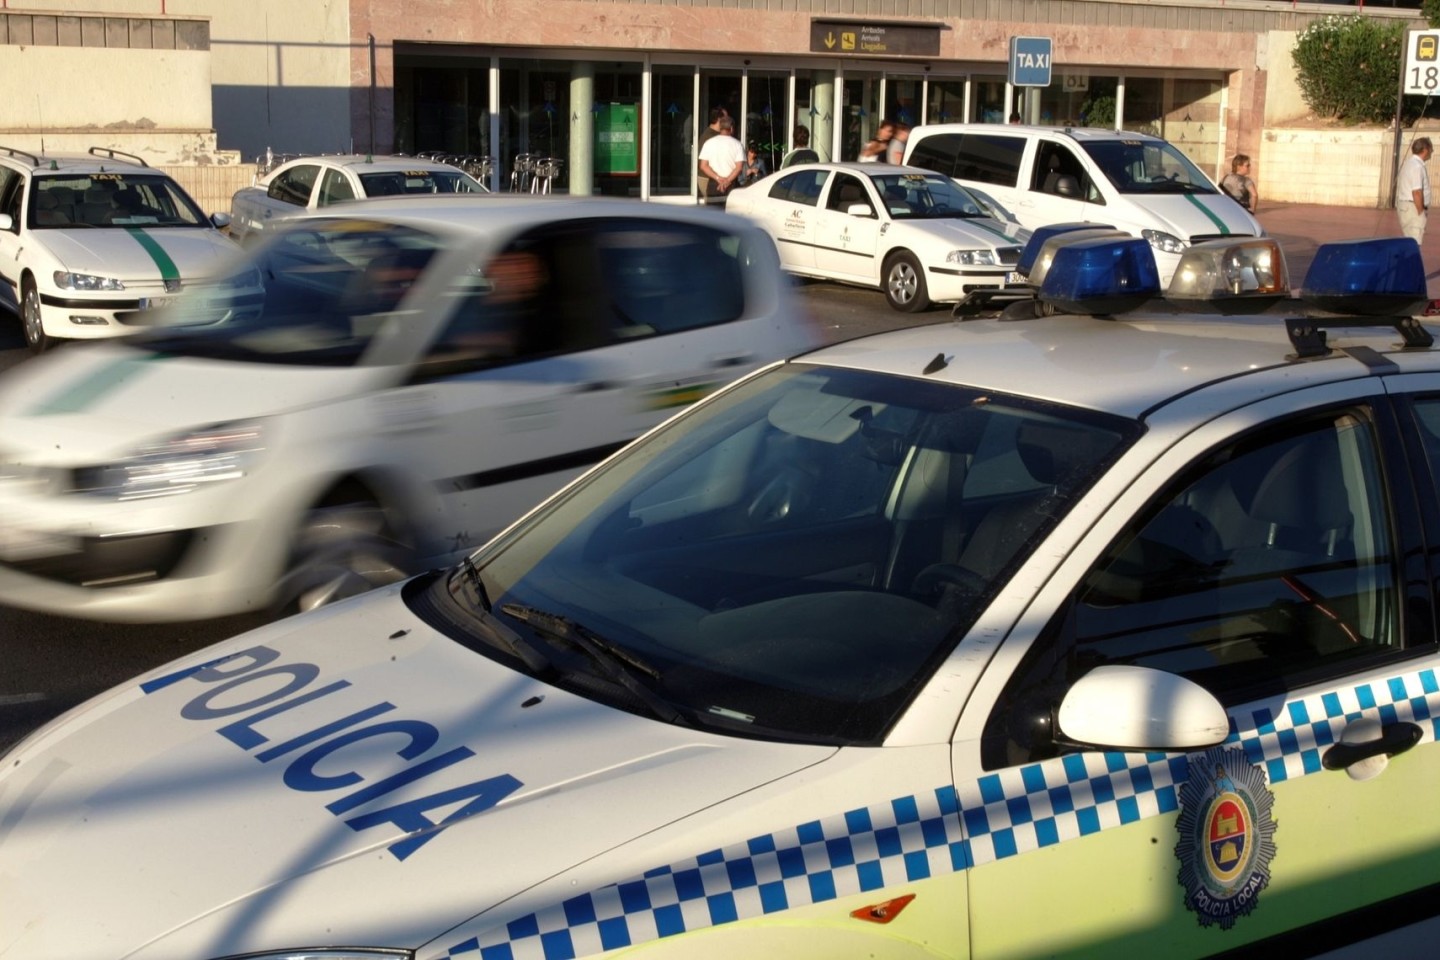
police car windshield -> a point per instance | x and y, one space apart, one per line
793 559
916 196
1147 167
111 201
394 182
315 294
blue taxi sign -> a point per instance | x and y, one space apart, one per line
1030 61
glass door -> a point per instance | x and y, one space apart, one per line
766 94
861 102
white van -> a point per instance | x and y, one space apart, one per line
1043 175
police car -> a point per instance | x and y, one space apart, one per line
1107 627
92 245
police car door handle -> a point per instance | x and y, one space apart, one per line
1394 738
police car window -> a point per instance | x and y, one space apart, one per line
1269 565
802 187
667 277
294 185
334 187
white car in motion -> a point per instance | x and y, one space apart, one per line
91 245
369 391
918 236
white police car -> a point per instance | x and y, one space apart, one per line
91 245
1032 636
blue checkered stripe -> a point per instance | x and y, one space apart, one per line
1002 815
1289 743
870 848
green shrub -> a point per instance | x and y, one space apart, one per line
1348 68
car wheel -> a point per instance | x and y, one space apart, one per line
344 547
905 283
30 317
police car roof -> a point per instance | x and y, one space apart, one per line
1127 367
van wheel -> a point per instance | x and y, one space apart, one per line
344 547
30 317
904 283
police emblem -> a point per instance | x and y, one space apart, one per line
1227 836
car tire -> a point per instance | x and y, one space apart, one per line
904 283
30 317
344 547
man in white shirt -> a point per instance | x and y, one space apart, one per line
1412 190
721 159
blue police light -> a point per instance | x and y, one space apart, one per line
1101 276
1040 234
1378 277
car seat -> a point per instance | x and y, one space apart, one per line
48 212
96 207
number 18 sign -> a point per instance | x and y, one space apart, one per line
1422 62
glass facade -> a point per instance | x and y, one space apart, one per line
630 127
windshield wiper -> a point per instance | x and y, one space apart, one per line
618 664
524 649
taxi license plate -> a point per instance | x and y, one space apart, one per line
155 303
1013 277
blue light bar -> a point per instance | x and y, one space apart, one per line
1040 234
1378 277
1101 276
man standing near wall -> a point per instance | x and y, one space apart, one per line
1412 190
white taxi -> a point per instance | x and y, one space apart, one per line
92 244
1046 635
915 234
368 394
310 183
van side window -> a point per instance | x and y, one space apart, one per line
1059 172
979 157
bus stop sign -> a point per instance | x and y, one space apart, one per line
1030 61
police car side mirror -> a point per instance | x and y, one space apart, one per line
1139 708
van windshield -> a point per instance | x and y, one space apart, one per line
1147 167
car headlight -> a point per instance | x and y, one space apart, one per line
973 258
178 464
85 281
1164 242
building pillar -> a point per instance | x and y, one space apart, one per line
582 129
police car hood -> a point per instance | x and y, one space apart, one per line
341 773
141 252
1190 215
80 406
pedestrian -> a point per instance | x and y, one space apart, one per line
874 149
895 150
721 160
754 167
1014 116
1239 185
802 152
1412 190
711 130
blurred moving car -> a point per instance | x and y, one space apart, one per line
1132 181
887 651
91 244
369 394
307 184
916 235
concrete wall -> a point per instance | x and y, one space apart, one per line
167 89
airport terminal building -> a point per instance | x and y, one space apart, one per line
615 92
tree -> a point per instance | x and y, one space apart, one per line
1348 67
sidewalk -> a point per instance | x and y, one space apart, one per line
1301 228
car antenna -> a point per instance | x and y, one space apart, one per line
939 363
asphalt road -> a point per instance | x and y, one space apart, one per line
49 664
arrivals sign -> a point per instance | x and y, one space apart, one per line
875 38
